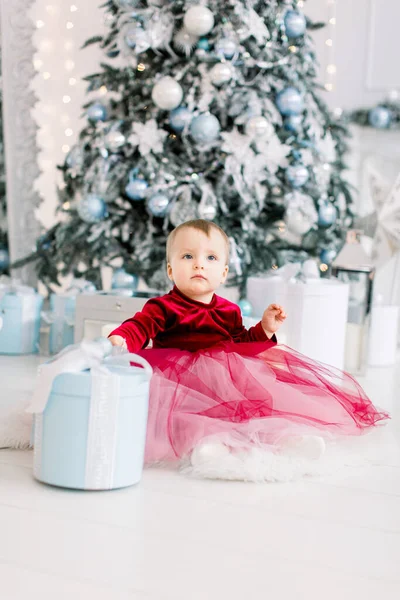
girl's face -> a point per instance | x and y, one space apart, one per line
197 263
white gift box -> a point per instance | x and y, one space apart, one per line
263 291
95 311
90 426
382 343
20 321
316 308
317 319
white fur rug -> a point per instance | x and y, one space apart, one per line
216 462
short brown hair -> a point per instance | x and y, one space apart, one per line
201 225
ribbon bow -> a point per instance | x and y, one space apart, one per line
95 355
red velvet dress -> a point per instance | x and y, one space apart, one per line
215 380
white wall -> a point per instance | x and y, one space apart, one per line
62 27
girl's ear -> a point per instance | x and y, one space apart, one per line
225 274
169 272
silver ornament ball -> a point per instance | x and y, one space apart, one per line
226 47
221 73
258 127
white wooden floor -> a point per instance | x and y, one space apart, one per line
176 538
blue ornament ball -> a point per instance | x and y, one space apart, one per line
43 242
327 214
97 112
179 118
123 280
205 128
245 308
92 208
293 123
290 102
379 117
137 189
113 53
297 175
295 23
226 47
158 204
4 259
74 157
203 44
327 255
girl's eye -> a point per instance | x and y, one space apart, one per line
212 257
187 256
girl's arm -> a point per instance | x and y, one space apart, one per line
255 334
142 327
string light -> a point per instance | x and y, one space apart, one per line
72 81
73 8
323 267
69 25
69 132
66 99
331 66
141 67
69 44
39 24
46 75
69 65
65 148
37 63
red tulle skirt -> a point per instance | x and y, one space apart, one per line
248 396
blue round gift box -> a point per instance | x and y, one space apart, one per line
61 432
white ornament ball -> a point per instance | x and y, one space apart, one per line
115 140
258 127
207 212
221 73
198 20
167 93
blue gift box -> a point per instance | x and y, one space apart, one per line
62 311
20 323
91 434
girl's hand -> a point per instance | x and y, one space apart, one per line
272 319
117 340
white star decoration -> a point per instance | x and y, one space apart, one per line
274 152
148 137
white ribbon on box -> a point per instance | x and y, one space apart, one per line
13 286
104 401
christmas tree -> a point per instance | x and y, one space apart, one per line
4 255
208 109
